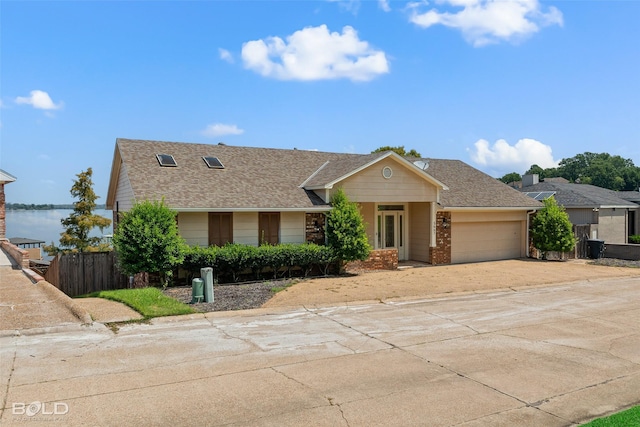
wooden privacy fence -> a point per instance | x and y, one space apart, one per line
81 273
582 233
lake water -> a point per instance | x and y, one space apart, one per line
45 225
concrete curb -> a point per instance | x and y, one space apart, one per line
69 327
59 296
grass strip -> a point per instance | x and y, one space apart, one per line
150 302
628 418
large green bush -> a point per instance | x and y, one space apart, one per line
634 238
146 239
346 232
551 229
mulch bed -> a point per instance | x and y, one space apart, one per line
237 296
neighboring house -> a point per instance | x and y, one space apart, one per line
5 178
435 211
610 216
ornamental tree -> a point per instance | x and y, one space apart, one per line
79 224
551 229
146 239
346 233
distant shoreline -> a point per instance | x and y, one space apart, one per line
42 207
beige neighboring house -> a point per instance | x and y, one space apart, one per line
429 210
5 178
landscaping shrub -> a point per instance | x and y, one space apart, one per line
551 229
634 238
233 261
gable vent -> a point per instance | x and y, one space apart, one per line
213 162
166 160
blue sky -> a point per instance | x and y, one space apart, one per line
500 85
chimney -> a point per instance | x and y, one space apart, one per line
529 180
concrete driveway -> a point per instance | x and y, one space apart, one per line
553 356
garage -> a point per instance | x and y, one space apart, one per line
486 241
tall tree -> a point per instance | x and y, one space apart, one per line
147 240
79 224
398 150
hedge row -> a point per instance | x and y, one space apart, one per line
235 260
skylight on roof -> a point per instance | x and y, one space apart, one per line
166 160
213 162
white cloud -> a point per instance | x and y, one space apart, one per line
314 53
518 157
40 100
225 55
384 5
489 21
219 129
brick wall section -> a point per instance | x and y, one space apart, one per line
441 254
380 259
20 256
3 214
314 223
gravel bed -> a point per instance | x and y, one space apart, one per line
240 296
613 262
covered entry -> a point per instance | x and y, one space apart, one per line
390 229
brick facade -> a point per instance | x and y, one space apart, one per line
314 228
379 259
441 254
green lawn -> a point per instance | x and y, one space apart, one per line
150 302
628 418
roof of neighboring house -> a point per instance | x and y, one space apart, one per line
266 178
6 177
631 196
581 195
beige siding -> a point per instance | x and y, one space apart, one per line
292 227
404 186
419 231
194 228
124 193
368 215
486 236
245 228
612 226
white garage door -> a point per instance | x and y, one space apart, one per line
485 241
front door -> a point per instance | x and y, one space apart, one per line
391 231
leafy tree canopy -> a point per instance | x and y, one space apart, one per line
601 169
346 232
511 177
398 150
146 239
551 229
78 225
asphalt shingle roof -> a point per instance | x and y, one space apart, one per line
266 178
581 195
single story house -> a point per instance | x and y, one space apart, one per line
429 210
611 217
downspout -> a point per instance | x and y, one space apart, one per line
528 221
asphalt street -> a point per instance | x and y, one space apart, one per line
553 356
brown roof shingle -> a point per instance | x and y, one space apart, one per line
267 178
